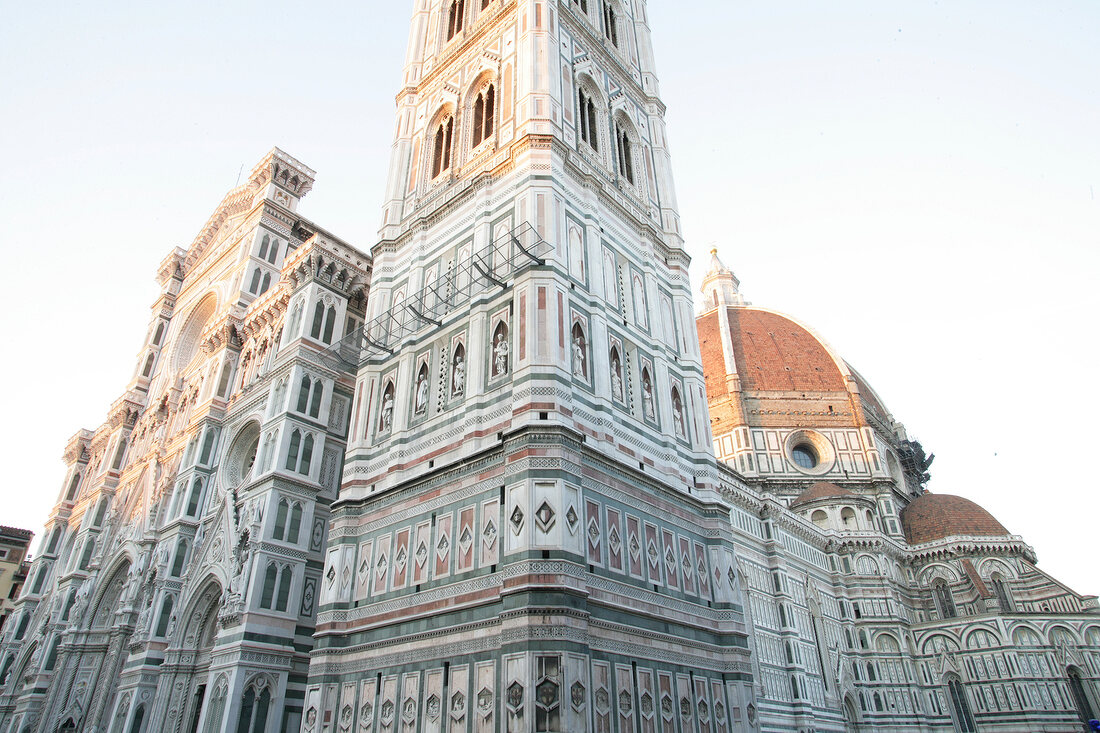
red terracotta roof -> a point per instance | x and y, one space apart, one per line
775 353
935 516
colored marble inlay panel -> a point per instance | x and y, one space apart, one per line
672 564
635 546
593 532
466 539
401 559
614 540
653 554
687 565
443 544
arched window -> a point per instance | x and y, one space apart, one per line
147 370
208 446
295 523
484 111
945 603
819 517
22 628
330 324
1000 589
267 596
181 556
274 253
254 284
254 710
193 500
52 547
625 154
610 30
582 4
307 455
441 150
586 119
878 703
266 283
1084 707
303 395
86 557
263 247
963 718
318 320
74 484
165 616
139 719
159 333
280 519
455 14
848 518
295 447
315 398
286 575
100 511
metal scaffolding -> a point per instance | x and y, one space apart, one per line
491 267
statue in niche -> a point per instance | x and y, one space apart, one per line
647 397
387 411
580 366
421 403
458 375
677 413
616 379
500 354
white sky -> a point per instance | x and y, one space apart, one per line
915 180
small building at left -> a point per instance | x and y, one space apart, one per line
14 546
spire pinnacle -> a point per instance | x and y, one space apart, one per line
720 285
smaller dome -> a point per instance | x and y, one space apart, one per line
934 516
823 490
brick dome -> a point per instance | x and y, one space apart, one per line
935 516
822 490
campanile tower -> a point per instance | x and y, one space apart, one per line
529 534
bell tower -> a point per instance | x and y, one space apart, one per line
529 534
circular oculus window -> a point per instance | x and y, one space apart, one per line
809 452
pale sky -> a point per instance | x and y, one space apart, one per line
916 180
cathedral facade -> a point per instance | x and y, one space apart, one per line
506 472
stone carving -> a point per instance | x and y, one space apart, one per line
458 375
580 362
386 421
616 379
500 354
421 403
647 396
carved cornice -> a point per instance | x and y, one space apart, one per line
76 450
266 311
335 265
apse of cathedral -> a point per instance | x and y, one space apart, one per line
507 472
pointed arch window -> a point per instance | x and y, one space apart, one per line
274 253
254 710
254 285
100 511
280 519
295 525
625 154
180 558
194 499
303 394
441 149
318 320
293 451
610 30
315 398
264 243
582 4
266 283
74 484
159 334
1077 687
165 616
586 119
455 13
484 114
945 603
147 370
330 324
307 455
963 717
282 597
1000 589
267 595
